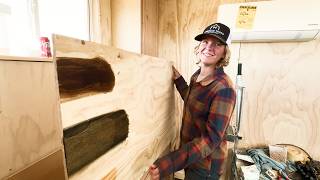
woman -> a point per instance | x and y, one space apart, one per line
208 105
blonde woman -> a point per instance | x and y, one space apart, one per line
209 101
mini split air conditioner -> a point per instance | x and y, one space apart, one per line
273 21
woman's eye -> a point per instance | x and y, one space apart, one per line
204 42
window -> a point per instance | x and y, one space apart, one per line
66 17
5 12
22 22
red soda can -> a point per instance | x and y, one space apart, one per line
45 47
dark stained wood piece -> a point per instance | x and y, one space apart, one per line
88 140
78 77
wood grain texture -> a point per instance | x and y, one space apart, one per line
112 175
81 77
126 24
282 98
100 21
149 29
29 114
168 49
49 168
144 89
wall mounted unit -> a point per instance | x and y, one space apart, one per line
271 21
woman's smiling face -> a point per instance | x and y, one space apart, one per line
211 50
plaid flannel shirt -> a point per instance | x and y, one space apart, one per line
208 106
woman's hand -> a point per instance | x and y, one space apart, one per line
154 172
176 74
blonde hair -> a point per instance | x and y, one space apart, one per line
222 62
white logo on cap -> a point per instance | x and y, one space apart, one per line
215 29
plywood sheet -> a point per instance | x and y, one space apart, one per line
49 168
282 100
29 114
144 89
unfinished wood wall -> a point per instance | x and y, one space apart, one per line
117 23
281 101
149 31
126 24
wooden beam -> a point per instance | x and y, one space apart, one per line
100 21
149 31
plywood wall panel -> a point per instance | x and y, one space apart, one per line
144 89
282 101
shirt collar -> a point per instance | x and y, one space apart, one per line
209 79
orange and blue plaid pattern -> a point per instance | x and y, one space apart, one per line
208 106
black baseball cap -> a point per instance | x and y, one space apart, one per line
217 30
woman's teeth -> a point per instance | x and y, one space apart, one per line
208 54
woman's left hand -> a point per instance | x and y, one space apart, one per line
154 172
176 73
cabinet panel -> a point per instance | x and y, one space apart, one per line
29 113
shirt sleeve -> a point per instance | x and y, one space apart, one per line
219 116
181 86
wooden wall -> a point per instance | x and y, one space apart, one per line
149 27
116 23
126 24
100 21
282 99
